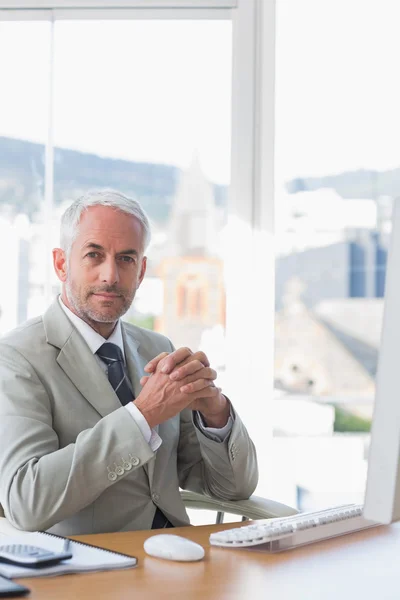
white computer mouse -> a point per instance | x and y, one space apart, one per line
173 547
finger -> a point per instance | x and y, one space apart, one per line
170 362
207 392
204 373
196 386
152 364
198 357
188 369
144 380
201 357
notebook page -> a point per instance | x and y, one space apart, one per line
84 557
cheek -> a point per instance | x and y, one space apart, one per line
87 272
128 277
80 276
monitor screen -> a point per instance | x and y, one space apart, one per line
382 496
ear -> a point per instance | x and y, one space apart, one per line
60 264
142 271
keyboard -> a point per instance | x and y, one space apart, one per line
284 533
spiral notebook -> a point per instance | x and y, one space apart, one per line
85 557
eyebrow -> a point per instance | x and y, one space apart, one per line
99 247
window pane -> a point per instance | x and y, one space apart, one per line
144 107
337 170
24 60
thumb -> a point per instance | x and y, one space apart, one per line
152 364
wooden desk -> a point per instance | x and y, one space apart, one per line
360 566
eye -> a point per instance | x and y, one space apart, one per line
127 259
93 255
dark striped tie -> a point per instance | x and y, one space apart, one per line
111 355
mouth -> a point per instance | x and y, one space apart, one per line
106 295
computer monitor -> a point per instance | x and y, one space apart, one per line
382 495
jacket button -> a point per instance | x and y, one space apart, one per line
134 460
112 476
155 497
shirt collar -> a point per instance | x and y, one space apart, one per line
93 339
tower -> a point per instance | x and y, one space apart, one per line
192 272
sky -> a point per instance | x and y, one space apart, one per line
337 92
160 91
145 91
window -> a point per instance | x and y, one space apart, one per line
131 112
136 113
24 75
151 115
337 170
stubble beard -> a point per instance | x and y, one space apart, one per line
79 302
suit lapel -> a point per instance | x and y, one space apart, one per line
135 363
78 362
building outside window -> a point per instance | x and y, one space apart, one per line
337 172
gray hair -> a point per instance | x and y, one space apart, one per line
71 217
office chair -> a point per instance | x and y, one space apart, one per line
253 508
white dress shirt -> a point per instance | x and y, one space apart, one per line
94 340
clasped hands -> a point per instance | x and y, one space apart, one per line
181 379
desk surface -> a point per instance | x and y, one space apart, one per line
363 565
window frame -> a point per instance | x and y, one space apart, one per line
251 266
110 4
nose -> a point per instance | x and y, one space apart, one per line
109 271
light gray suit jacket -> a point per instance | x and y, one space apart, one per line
63 430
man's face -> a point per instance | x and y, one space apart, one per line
105 267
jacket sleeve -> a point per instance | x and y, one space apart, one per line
226 470
41 483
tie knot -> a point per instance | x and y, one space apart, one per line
110 353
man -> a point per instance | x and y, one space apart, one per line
89 443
